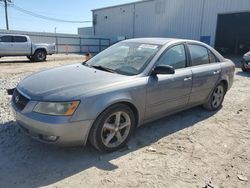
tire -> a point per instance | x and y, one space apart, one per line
216 98
243 66
105 133
30 58
40 55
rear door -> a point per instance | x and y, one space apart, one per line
5 45
206 72
21 46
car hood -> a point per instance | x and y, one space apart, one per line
68 82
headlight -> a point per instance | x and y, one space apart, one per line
57 108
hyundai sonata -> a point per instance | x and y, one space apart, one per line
130 83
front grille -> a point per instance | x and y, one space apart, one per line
19 100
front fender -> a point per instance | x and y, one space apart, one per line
91 107
37 47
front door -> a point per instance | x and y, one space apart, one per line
6 45
166 93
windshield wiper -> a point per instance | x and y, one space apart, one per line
99 67
86 64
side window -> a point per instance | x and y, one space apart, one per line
199 54
20 39
175 57
6 39
212 57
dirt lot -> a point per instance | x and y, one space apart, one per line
195 148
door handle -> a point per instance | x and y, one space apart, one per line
216 72
187 79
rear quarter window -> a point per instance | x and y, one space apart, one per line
20 39
212 57
199 55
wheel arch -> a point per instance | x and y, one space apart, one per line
132 107
40 48
121 101
125 102
225 82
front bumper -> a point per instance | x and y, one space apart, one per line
52 49
52 129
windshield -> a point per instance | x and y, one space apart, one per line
127 58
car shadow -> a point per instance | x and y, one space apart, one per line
245 74
14 61
27 163
9 61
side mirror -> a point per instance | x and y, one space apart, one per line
87 57
163 69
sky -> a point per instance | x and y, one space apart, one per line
76 10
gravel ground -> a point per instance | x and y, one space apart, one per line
194 148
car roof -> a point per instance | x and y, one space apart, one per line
164 41
160 41
1 34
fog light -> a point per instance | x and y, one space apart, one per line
49 138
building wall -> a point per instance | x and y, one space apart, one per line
168 18
86 31
114 22
189 19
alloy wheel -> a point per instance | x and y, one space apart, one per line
40 56
116 129
218 96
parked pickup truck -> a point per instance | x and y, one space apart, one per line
21 45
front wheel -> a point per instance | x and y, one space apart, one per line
216 99
30 58
40 55
113 128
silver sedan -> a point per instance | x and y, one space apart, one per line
127 85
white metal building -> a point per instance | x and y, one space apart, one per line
221 23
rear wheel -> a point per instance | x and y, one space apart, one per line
113 128
216 99
40 55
